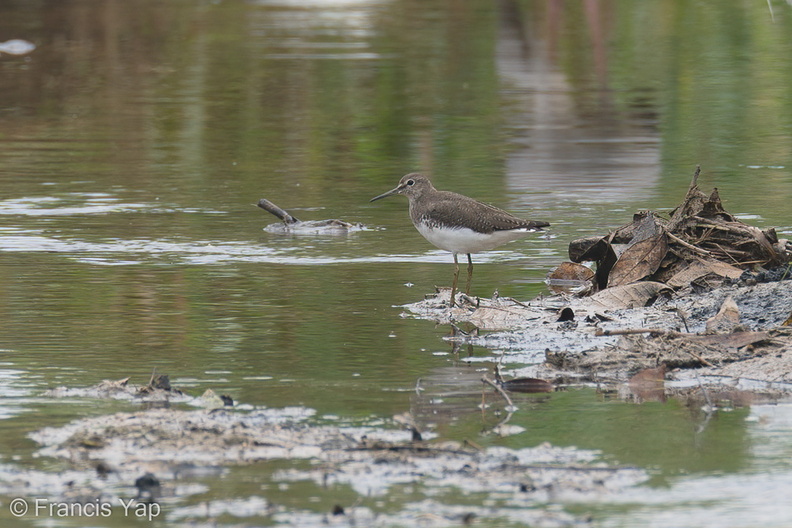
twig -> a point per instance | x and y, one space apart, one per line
721 225
687 245
630 331
515 301
682 316
751 262
506 309
699 358
499 389
584 469
726 253
472 444
703 237
412 447
706 394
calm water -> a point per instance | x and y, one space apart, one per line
138 136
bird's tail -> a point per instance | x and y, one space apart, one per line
537 224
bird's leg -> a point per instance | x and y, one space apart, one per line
456 276
470 274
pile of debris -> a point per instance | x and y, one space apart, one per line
701 244
698 295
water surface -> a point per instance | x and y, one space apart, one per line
137 138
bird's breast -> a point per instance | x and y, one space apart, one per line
464 240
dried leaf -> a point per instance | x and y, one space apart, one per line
632 295
605 266
696 203
713 207
699 268
498 318
639 260
570 271
726 319
690 272
643 225
588 249
765 245
570 277
646 226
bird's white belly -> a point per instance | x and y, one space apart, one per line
463 240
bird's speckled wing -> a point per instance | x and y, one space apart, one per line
455 209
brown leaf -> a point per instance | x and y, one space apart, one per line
571 272
605 266
700 268
766 245
644 225
498 317
569 276
726 319
639 260
632 295
588 249
713 207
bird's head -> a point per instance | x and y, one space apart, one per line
411 185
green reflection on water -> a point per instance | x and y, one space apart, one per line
669 437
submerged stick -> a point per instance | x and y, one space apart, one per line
277 211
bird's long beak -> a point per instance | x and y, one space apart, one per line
395 190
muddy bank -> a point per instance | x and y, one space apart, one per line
699 295
110 455
734 335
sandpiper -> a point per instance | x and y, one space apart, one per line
459 224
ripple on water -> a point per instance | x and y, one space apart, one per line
14 388
83 203
121 252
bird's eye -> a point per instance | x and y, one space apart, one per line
410 182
